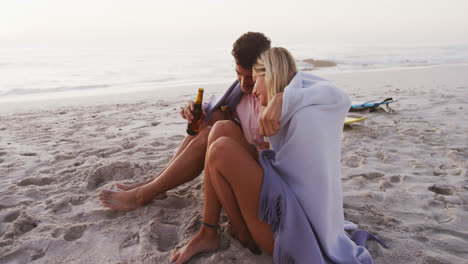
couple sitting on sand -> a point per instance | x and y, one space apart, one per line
285 200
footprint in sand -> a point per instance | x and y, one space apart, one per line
61 156
59 207
128 144
158 144
115 171
22 224
28 154
39 181
458 154
385 184
369 176
353 161
11 216
78 199
396 179
56 232
445 196
440 170
444 169
73 233
131 240
37 255
442 189
378 196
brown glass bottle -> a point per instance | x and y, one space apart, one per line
194 127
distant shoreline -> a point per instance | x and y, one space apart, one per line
7 107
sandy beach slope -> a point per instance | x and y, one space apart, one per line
404 175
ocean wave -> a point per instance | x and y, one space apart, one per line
158 80
27 91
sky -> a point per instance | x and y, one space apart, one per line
47 22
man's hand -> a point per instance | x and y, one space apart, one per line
186 112
269 121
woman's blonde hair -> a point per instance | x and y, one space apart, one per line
278 66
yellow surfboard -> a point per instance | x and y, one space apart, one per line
349 119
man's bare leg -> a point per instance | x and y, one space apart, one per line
185 167
216 116
182 147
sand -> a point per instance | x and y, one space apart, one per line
404 175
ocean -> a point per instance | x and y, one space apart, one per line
43 73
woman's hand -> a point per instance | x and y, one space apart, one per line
269 123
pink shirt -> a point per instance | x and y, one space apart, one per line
248 113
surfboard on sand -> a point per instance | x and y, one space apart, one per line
349 119
373 105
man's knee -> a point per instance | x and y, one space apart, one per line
202 137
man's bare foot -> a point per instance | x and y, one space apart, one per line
205 241
121 201
130 186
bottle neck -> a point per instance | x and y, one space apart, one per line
199 97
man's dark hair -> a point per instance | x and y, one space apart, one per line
248 48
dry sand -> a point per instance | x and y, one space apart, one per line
404 176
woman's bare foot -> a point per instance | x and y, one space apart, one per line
205 241
247 241
121 201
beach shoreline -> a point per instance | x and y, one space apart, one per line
404 173
174 91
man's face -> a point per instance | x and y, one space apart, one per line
245 79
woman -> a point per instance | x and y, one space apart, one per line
288 201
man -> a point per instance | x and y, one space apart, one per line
188 162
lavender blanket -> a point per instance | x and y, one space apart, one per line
230 98
312 115
301 194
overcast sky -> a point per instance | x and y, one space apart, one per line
396 21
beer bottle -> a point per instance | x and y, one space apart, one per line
194 127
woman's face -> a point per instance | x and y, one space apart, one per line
260 89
